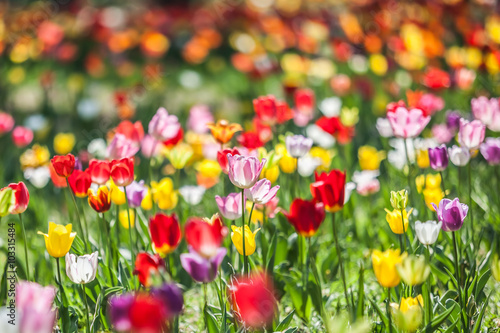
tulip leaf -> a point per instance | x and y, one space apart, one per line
271 254
479 320
361 293
285 322
452 326
210 321
303 306
438 320
381 314
483 280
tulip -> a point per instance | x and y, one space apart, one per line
384 127
20 198
192 194
150 146
59 239
205 236
147 264
122 171
223 131
64 143
222 158
471 133
442 133
262 192
395 221
428 232
438 158
306 216
365 182
164 194
329 189
100 202
452 213
81 269
459 156
34 308
428 181
180 155
369 158
123 218
384 266
408 315
163 126
22 136
244 171
413 270
298 145
271 111
135 193
495 267
99 171
230 206
63 165
122 147
237 238
6 123
175 140
399 199
202 269
137 313
117 194
490 150
165 233
407 123
432 196
6 201
253 300
199 117
80 182
171 297
487 111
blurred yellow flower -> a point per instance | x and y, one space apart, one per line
433 195
59 239
384 266
257 215
271 173
491 63
209 168
395 221
164 194
408 315
423 158
34 157
146 202
378 64
237 238
123 218
414 270
428 181
324 155
369 157
474 57
179 155
287 163
117 194
64 143
492 28
349 116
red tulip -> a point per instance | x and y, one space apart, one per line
343 134
392 106
250 140
176 139
205 236
165 233
145 265
306 216
122 171
56 179
63 164
80 182
22 198
222 157
329 189
272 111
99 171
436 78
132 131
304 100
22 136
253 300
147 314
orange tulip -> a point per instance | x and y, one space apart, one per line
223 131
100 202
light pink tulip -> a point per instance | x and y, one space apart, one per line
442 133
34 304
22 136
407 123
121 147
230 206
6 122
163 126
244 171
471 133
199 116
262 192
488 111
150 146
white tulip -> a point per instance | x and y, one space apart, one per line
459 156
428 232
192 194
81 269
384 127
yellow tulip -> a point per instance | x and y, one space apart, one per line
257 214
413 270
349 116
378 64
408 315
123 218
394 220
428 181
433 195
271 173
35 157
117 194
164 194
179 155
237 238
370 158
287 163
59 239
423 158
64 143
209 168
495 267
324 155
384 266
146 202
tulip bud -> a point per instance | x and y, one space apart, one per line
399 199
413 270
6 201
81 269
408 315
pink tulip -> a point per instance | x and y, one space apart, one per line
121 147
6 123
442 133
407 123
244 171
150 146
22 136
163 126
34 304
471 133
487 111
230 206
199 116
262 192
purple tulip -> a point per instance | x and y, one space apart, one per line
438 158
452 213
298 145
262 192
453 120
136 191
119 307
230 206
490 150
171 296
202 269
34 304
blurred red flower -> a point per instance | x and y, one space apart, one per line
122 171
222 157
205 236
145 265
165 233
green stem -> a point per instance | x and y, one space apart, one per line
308 261
429 301
251 211
245 260
339 254
442 183
457 273
132 254
388 309
110 248
150 167
404 230
470 203
86 307
25 247
77 215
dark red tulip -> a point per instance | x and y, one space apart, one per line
329 188
99 171
306 216
222 157
145 265
165 233
205 236
80 182
122 171
63 164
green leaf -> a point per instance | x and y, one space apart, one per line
438 320
478 324
271 254
361 293
210 321
285 322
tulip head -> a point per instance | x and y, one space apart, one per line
180 155
369 158
399 199
6 201
438 158
202 269
230 206
452 213
471 133
99 171
163 126
408 316
298 145
59 239
123 218
490 149
262 192
81 269
396 222
205 236
222 158
428 232
329 188
223 131
306 216
63 164
80 182
384 266
100 202
64 143
165 233
432 196
20 198
237 238
122 171
413 270
407 123
146 265
244 171
459 156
